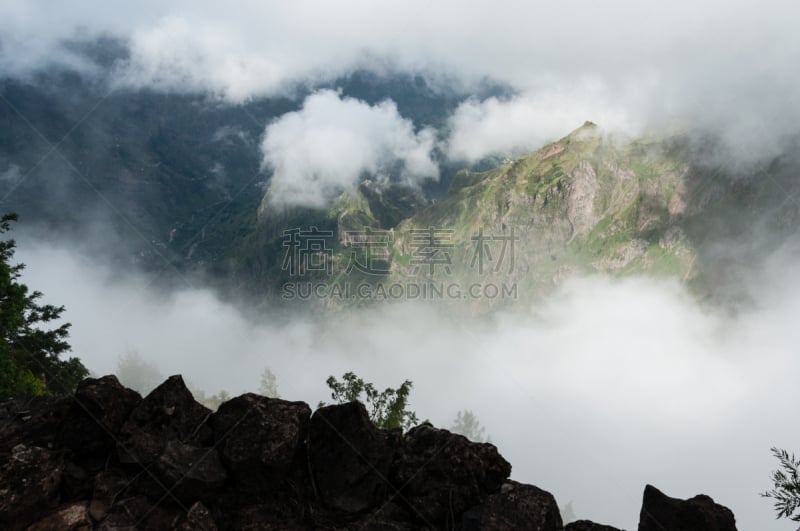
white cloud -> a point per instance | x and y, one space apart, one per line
327 146
525 122
729 67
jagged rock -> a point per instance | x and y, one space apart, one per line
191 473
140 514
29 486
266 464
259 438
662 513
76 482
169 412
72 517
198 518
109 485
97 414
384 525
586 525
264 518
350 458
389 516
34 421
442 474
516 506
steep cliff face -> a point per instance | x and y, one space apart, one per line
109 459
587 203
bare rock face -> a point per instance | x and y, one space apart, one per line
169 412
701 513
259 438
441 474
263 517
516 506
33 422
100 408
586 525
71 517
198 518
139 513
109 486
350 457
580 208
29 486
190 473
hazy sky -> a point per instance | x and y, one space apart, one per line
729 66
604 387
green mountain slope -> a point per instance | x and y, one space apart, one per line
586 204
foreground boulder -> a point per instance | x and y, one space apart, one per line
586 525
168 413
350 457
36 421
29 486
192 473
440 474
701 513
259 438
97 414
71 517
198 518
516 506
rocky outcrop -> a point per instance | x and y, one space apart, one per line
701 513
443 474
586 525
29 485
516 506
108 459
350 458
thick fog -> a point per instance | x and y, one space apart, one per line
604 387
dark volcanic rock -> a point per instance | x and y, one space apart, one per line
259 438
441 474
34 421
191 473
72 517
390 516
97 413
350 458
76 482
516 506
198 518
662 513
109 485
169 412
586 525
264 518
29 486
140 514
107 459
86 424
